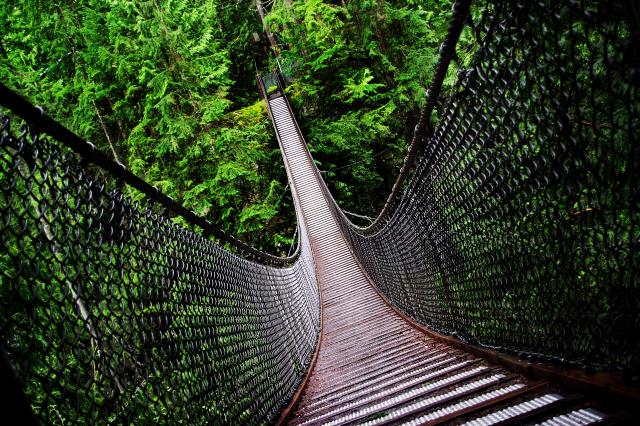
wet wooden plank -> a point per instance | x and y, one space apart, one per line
372 365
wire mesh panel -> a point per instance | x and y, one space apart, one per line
519 227
111 312
272 82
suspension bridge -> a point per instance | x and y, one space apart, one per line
497 286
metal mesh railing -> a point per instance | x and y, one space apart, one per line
271 83
519 227
518 230
112 312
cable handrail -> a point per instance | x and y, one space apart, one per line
37 117
103 293
522 210
460 13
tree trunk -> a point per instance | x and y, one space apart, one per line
262 14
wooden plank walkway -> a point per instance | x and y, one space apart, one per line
373 367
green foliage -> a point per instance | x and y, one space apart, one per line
361 75
167 88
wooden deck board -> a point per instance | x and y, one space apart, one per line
372 365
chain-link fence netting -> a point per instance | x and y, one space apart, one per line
112 312
519 227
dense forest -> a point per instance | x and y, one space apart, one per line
168 89
519 231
